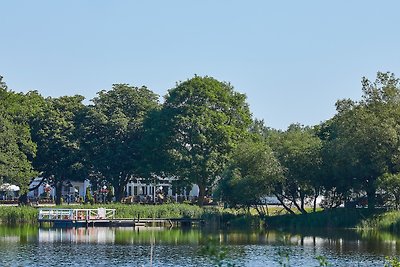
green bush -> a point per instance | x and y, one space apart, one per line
148 211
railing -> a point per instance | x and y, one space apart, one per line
76 214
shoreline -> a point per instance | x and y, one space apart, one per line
342 218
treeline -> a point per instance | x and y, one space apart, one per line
203 133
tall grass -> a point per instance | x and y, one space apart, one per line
146 211
20 215
212 215
388 221
29 215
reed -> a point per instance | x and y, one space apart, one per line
21 215
387 221
147 211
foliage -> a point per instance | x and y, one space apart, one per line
113 134
335 218
322 260
217 253
387 221
362 140
299 152
17 148
15 167
202 120
148 211
392 262
389 186
13 215
88 196
203 134
59 157
251 175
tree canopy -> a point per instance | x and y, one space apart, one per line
362 139
251 175
17 149
113 134
203 120
59 155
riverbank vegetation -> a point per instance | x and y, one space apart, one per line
335 218
212 216
352 218
26 214
217 217
203 134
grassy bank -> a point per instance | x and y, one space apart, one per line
387 221
147 211
18 215
336 218
12 215
212 215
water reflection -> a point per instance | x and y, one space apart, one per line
77 235
153 246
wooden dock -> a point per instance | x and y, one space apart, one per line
103 217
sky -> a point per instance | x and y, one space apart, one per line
293 59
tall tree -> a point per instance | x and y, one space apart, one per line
59 155
364 136
113 134
299 151
252 173
17 148
203 120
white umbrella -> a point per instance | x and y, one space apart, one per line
5 187
13 188
9 187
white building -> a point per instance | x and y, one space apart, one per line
168 187
70 190
139 188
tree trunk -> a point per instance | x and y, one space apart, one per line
302 204
23 199
315 203
58 192
371 198
301 207
119 192
284 205
316 194
202 191
371 192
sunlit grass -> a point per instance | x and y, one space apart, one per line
388 221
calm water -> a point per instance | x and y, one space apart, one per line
178 247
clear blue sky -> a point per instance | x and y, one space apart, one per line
293 59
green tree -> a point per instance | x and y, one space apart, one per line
113 134
299 152
15 166
17 148
362 139
59 155
389 187
202 121
251 175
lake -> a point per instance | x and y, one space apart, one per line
32 246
